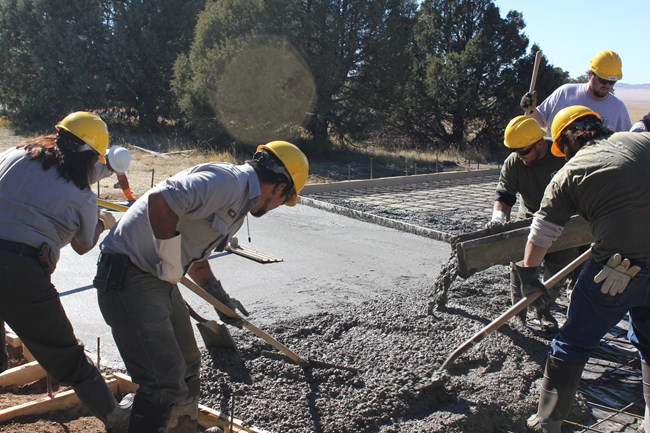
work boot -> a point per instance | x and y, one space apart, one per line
645 371
98 399
184 414
4 357
561 380
515 293
146 417
547 322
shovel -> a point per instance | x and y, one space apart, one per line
215 334
519 306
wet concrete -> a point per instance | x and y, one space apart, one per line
356 297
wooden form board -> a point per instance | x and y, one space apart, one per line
252 254
478 254
118 384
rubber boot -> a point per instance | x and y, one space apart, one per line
4 357
561 380
98 399
645 371
547 322
184 414
146 417
515 293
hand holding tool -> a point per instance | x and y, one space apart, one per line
530 283
215 288
107 219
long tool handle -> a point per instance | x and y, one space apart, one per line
533 80
113 206
223 308
512 311
245 323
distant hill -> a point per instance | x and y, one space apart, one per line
633 86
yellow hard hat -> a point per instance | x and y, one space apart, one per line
522 131
295 164
89 128
607 65
563 119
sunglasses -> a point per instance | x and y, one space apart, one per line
605 82
525 150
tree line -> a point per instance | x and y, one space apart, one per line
436 74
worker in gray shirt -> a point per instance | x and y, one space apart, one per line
170 231
45 204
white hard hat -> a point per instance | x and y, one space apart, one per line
119 158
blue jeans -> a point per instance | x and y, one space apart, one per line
592 314
152 329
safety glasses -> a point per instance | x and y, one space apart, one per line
605 82
525 150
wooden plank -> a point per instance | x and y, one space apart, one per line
65 400
124 383
478 254
253 255
12 339
207 417
210 418
22 375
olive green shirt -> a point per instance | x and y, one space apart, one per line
529 181
607 182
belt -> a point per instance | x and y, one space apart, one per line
18 248
106 258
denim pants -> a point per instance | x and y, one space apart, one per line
592 314
31 306
152 329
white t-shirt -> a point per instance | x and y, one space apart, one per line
612 110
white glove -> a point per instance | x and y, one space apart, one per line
498 220
107 219
616 274
170 267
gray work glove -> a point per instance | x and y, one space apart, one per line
616 275
214 288
528 102
530 283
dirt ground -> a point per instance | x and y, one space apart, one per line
376 366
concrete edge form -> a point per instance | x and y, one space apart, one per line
386 222
315 188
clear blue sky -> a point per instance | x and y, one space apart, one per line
570 32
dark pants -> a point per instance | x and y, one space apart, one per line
30 305
591 314
152 329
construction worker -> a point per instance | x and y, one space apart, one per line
118 160
46 203
605 69
527 171
606 182
169 231
642 125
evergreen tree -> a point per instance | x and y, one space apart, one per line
53 58
465 86
147 37
352 50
